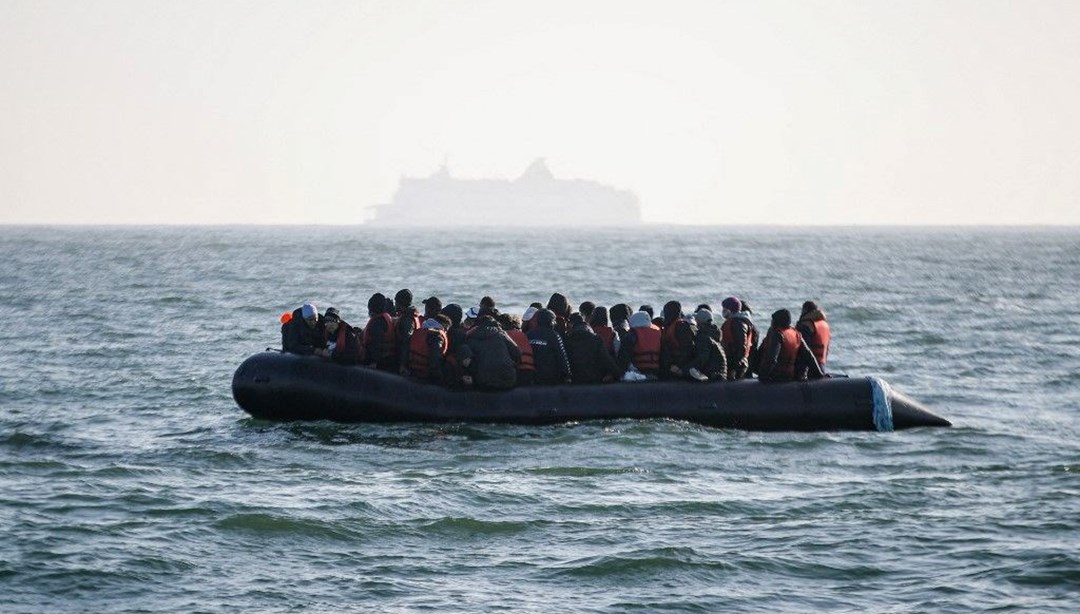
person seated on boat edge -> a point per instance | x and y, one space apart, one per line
814 328
342 340
406 321
590 362
736 338
560 306
784 353
526 369
493 356
380 338
709 363
453 372
303 332
432 307
601 325
677 343
641 346
428 347
549 351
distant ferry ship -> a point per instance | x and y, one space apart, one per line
536 198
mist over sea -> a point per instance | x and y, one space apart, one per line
131 482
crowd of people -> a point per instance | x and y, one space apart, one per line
485 348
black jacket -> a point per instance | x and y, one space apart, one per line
299 338
549 354
590 361
684 356
494 357
708 355
348 348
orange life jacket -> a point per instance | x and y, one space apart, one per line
646 356
389 340
527 363
819 341
727 340
789 340
607 335
419 354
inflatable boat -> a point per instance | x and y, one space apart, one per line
277 386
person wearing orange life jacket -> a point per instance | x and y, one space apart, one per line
815 329
526 369
406 320
302 333
380 340
342 341
677 343
601 325
736 338
428 347
641 346
784 353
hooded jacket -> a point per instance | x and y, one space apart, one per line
494 356
299 338
590 362
549 350
708 355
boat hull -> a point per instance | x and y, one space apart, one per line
287 387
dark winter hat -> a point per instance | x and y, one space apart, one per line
672 311
403 298
453 311
545 318
600 317
332 314
559 304
620 312
488 302
732 304
586 309
377 303
577 320
432 305
781 318
808 306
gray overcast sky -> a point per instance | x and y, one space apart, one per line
801 112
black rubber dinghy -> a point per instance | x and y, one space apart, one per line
276 386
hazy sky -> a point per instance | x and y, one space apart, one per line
863 112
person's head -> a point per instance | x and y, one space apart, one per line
704 306
640 319
507 321
537 305
781 318
432 307
620 313
545 318
559 304
529 313
489 303
376 305
310 313
599 317
808 306
576 320
453 312
731 306
647 309
486 311
672 312
702 317
403 300
389 306
746 308
586 309
331 320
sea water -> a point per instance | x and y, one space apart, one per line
131 482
